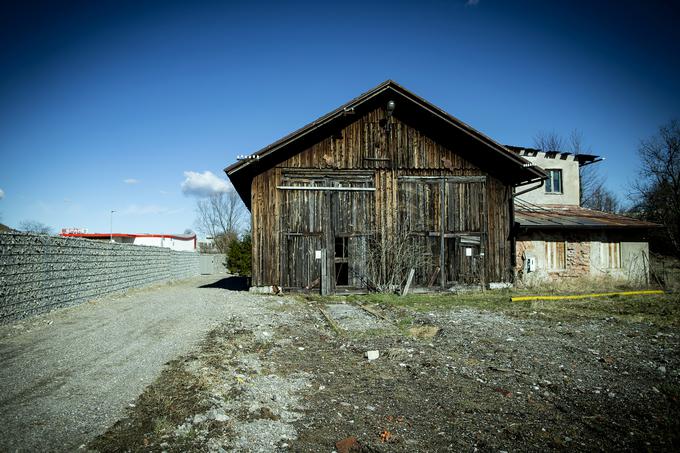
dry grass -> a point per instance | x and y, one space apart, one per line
661 309
166 403
665 272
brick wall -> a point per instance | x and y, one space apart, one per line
40 273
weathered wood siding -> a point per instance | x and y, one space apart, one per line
365 147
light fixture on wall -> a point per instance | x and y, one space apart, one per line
390 110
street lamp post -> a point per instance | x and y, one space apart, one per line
111 230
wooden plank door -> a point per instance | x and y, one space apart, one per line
465 231
302 233
350 229
419 221
446 218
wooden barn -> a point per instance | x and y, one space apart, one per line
385 183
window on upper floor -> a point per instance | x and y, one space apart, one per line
554 182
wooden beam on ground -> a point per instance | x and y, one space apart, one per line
330 321
372 311
411 273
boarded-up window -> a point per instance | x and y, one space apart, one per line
555 255
611 255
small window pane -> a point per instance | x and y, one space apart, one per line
554 182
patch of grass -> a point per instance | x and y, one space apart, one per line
661 309
162 425
405 323
166 403
493 301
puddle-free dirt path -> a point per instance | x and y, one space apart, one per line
68 375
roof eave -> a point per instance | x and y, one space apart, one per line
533 172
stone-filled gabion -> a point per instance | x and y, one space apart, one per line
39 273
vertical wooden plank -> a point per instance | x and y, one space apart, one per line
485 235
442 230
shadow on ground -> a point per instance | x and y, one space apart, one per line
231 283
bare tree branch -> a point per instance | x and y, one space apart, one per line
33 226
221 216
658 190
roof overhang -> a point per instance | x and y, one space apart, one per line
575 218
582 159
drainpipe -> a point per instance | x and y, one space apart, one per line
513 232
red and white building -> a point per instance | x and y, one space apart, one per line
179 242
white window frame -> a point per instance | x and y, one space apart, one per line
551 181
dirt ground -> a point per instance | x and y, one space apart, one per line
291 374
67 376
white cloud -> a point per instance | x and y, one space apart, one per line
131 181
2 194
204 184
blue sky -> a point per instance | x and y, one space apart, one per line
108 105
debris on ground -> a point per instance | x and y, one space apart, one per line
461 379
372 355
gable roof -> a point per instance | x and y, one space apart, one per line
479 149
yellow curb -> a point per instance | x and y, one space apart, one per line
587 296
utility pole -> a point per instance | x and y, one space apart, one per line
111 230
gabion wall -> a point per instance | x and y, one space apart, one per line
40 273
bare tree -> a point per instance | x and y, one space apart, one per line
592 191
389 261
548 141
33 226
221 216
658 189
602 199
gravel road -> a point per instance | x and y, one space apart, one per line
68 375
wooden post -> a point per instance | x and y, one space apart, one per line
408 282
442 228
324 274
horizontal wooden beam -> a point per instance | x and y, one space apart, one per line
335 189
445 178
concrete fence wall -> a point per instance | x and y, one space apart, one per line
40 273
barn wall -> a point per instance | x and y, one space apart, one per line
365 145
265 228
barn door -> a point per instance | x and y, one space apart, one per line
331 214
351 218
464 231
420 224
445 217
302 233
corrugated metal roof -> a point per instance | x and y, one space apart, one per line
573 217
